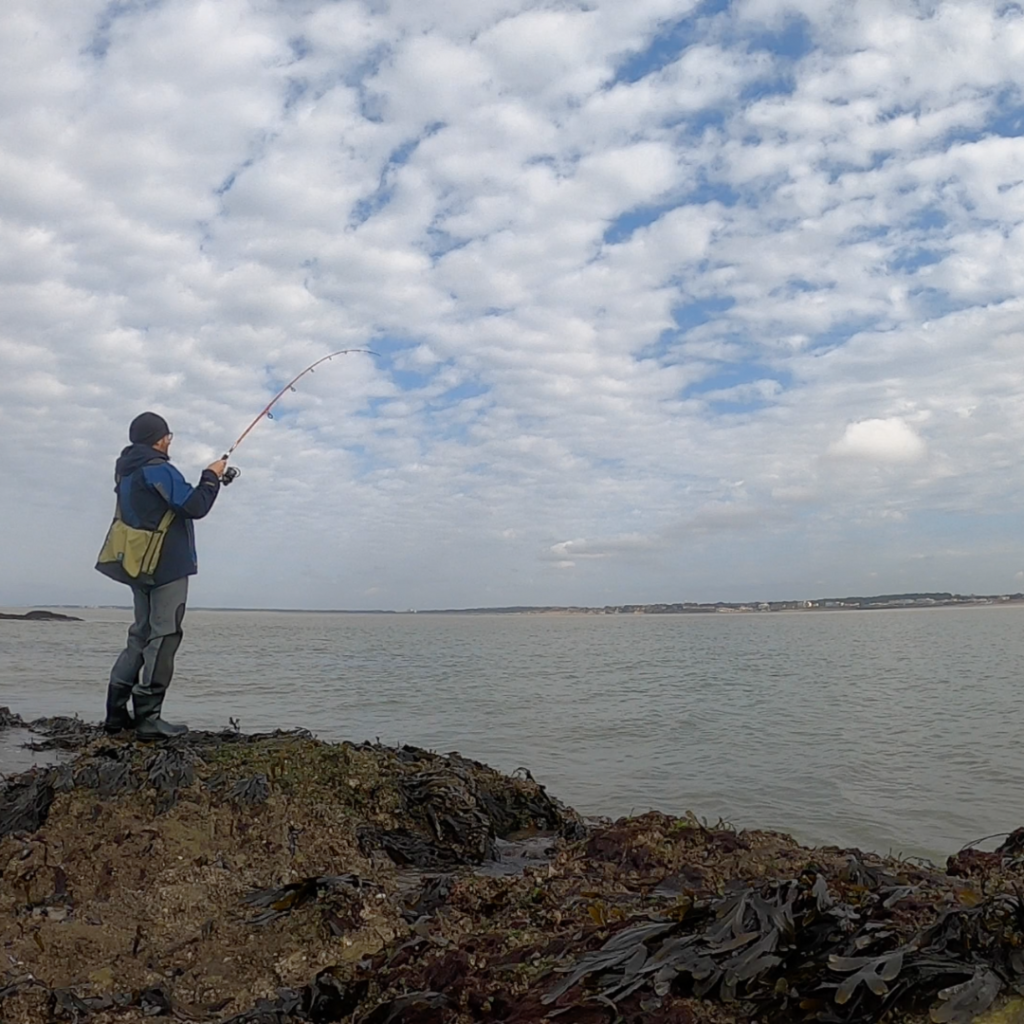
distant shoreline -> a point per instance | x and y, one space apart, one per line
881 602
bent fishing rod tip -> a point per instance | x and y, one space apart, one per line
290 386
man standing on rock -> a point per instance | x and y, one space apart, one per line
151 547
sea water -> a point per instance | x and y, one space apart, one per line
897 731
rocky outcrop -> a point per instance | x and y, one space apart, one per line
275 878
39 615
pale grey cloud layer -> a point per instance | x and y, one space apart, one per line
674 300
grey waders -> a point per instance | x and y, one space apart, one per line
144 668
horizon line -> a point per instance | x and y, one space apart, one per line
792 604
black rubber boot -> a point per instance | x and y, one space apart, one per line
148 723
118 717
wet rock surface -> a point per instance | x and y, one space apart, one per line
275 878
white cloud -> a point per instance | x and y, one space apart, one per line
885 441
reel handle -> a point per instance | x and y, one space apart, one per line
230 472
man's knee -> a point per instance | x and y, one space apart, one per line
167 610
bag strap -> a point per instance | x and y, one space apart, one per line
165 521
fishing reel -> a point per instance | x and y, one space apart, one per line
230 473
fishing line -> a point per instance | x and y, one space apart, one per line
231 473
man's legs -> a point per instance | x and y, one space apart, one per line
166 612
125 673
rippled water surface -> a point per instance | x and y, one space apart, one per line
887 730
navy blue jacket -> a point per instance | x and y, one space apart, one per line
147 485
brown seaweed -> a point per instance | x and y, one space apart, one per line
262 880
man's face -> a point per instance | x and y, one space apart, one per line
164 443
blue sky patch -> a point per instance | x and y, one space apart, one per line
390 345
664 48
365 208
356 76
835 169
914 257
687 317
928 218
932 303
694 125
623 226
732 375
99 44
229 182
371 408
669 43
722 407
701 311
861 233
797 285
295 89
300 47
960 134
441 242
841 333
780 83
371 104
411 380
465 390
793 40
712 192
1008 118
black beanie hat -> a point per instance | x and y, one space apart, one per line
148 428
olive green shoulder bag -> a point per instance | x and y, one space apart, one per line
131 555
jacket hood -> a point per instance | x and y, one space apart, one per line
134 457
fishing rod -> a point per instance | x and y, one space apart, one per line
231 473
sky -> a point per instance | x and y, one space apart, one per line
671 300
